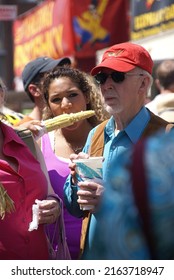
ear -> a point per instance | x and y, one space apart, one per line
145 83
34 90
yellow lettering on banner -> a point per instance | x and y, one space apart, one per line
152 31
58 35
48 43
148 20
169 13
35 23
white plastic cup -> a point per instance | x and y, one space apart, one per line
89 169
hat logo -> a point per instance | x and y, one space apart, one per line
115 54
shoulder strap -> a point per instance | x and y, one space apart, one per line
139 187
27 137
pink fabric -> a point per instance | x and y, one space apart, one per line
58 171
24 186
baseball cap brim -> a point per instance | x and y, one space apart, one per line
113 64
53 63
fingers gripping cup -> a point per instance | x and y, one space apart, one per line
89 169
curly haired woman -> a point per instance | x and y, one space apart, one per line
68 90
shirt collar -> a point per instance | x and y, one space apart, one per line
136 127
110 128
9 134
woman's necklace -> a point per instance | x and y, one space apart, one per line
76 149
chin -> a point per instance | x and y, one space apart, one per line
112 110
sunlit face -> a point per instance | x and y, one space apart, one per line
65 97
119 97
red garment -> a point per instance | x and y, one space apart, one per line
24 186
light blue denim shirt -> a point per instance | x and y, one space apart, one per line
114 146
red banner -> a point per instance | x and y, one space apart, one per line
43 31
98 24
58 28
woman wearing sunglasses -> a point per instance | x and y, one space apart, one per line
125 77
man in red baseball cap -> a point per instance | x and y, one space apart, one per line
124 76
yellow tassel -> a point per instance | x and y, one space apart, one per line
6 203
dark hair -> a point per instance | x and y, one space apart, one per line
85 83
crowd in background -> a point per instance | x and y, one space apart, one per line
116 90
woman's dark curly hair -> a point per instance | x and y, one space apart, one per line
85 83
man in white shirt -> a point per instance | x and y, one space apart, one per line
163 104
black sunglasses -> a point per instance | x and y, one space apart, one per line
116 76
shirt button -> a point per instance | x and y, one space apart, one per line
20 179
23 220
27 240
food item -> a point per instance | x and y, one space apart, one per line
66 120
35 216
6 203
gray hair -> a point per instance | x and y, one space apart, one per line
145 73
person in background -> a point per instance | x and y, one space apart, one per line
125 77
119 233
32 80
163 104
10 117
24 179
67 90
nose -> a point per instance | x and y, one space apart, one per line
65 104
107 85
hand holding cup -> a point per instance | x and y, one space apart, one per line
89 171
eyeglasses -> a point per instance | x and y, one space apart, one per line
117 77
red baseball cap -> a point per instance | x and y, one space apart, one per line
125 57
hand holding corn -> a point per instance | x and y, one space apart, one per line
6 203
39 129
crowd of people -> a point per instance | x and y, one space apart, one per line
116 90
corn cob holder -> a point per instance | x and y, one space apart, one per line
6 203
66 120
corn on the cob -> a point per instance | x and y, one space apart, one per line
6 203
66 120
